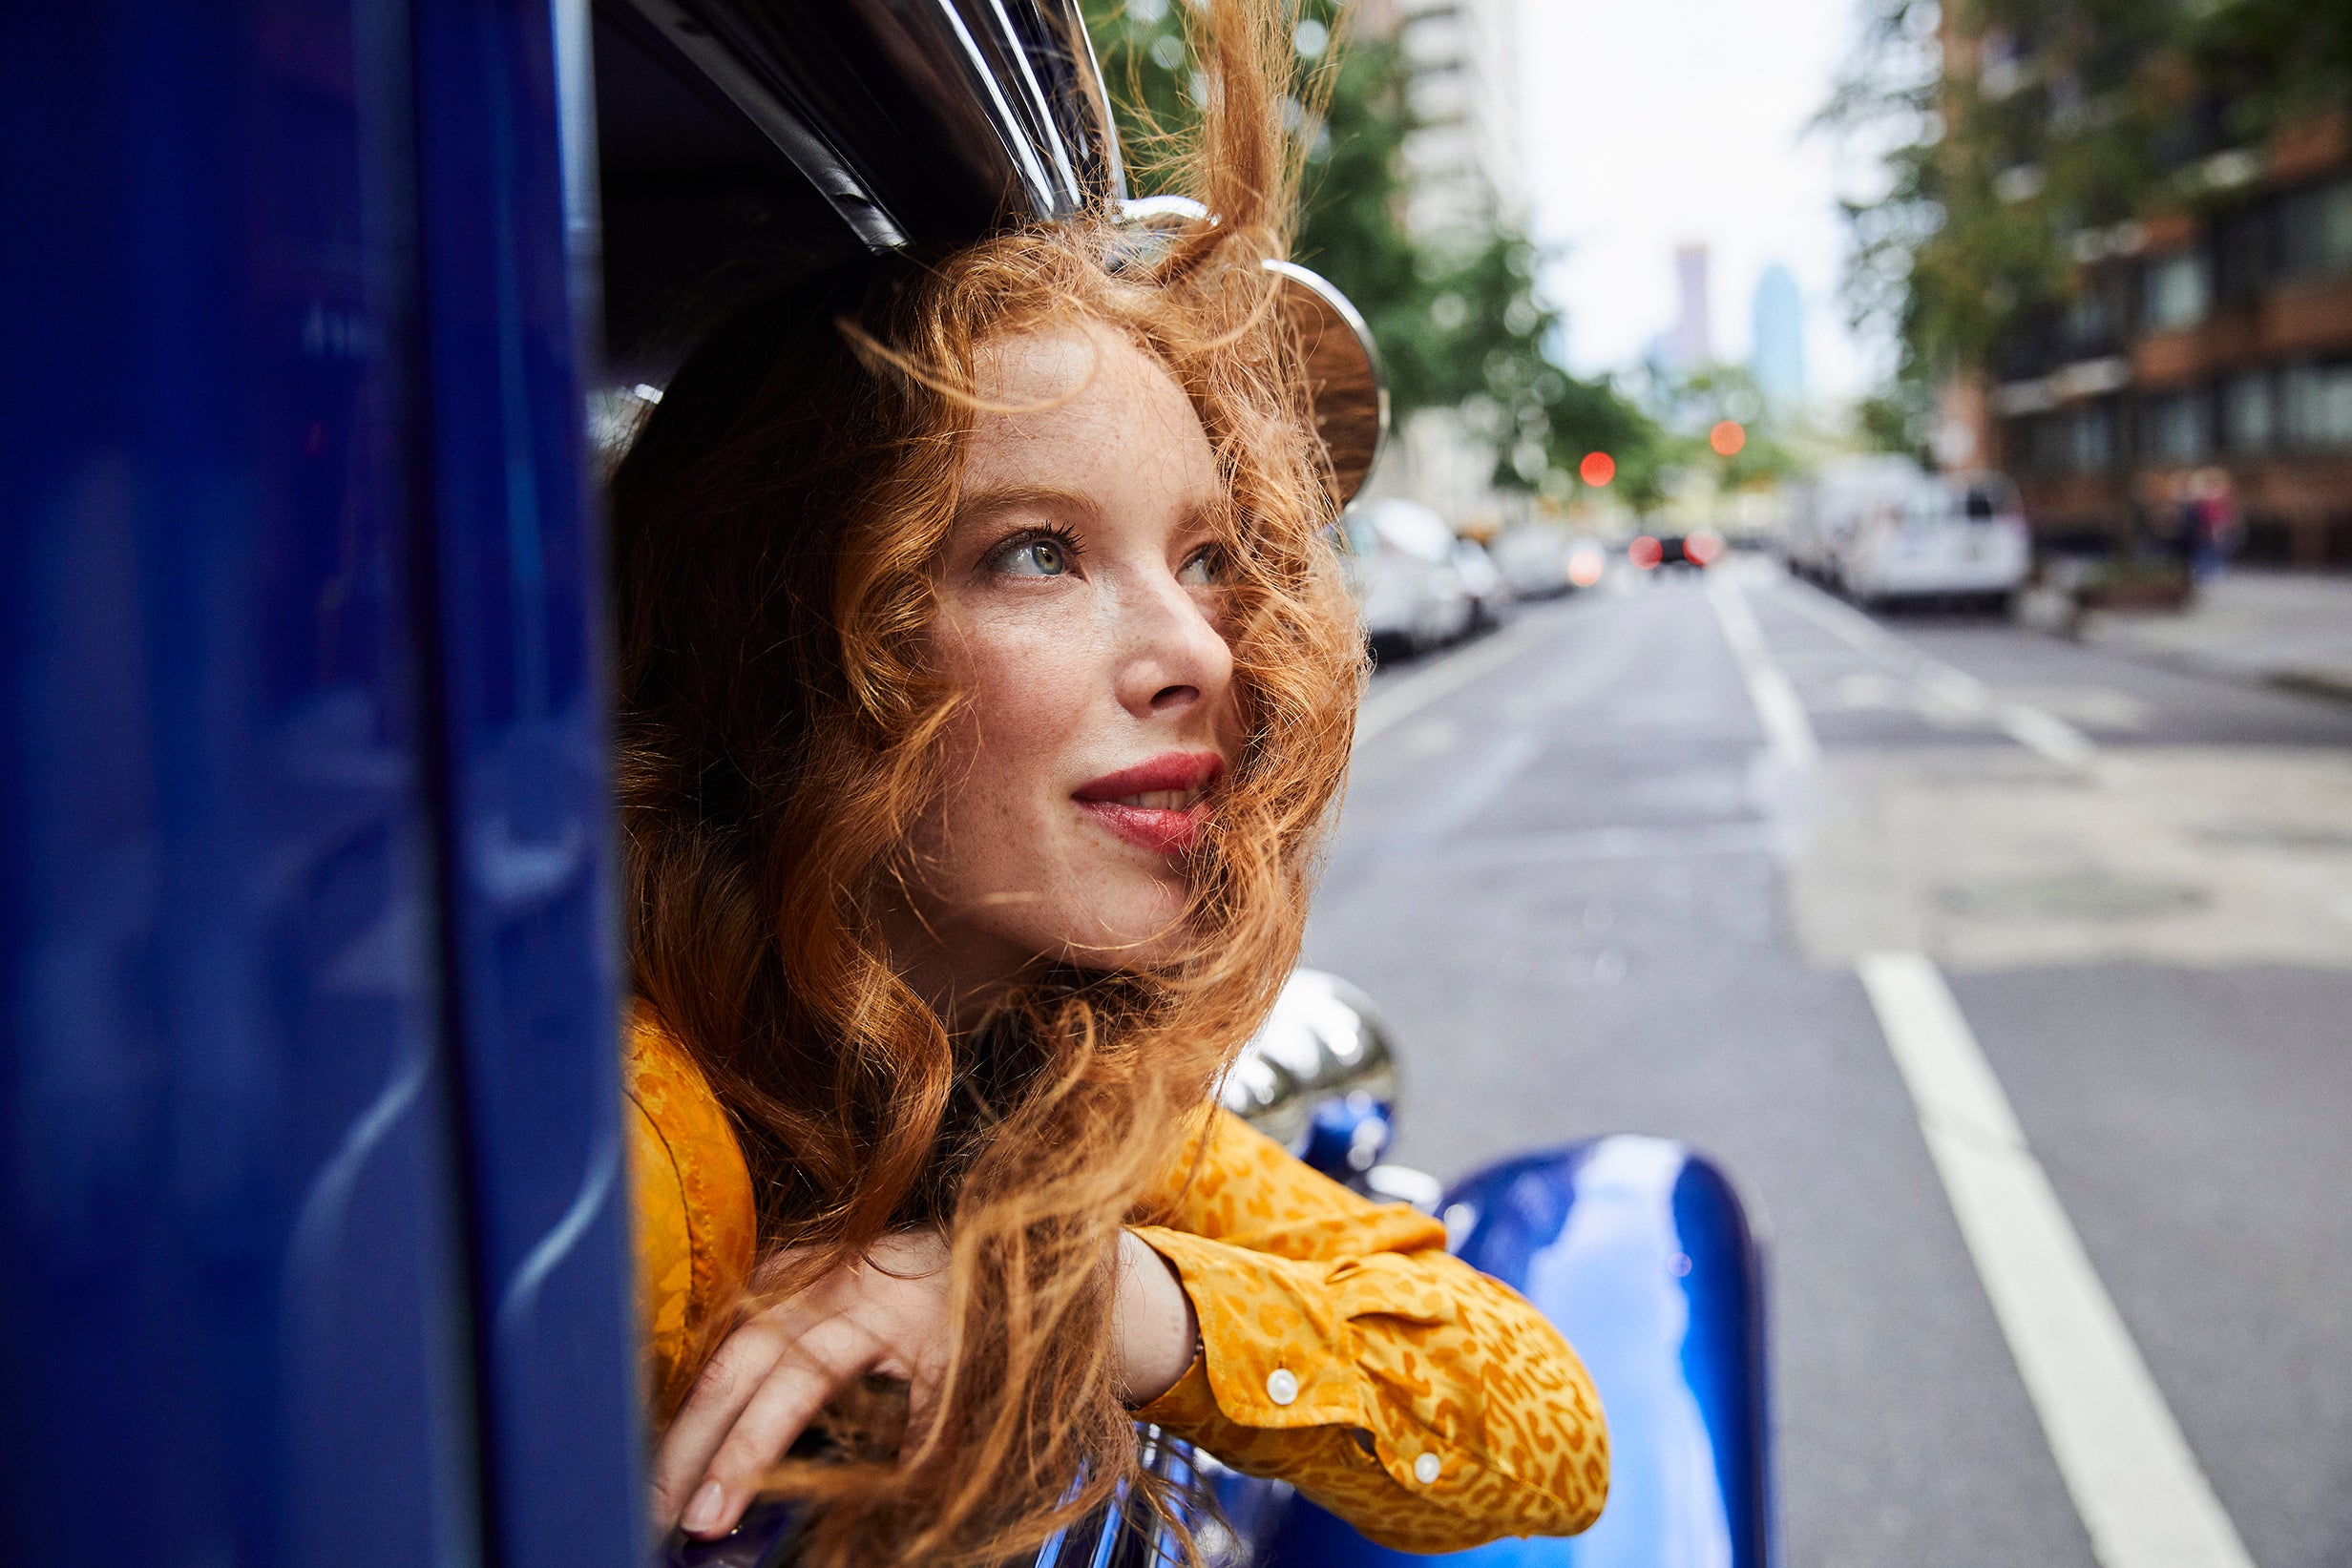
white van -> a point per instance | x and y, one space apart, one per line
1826 512
1881 528
1960 537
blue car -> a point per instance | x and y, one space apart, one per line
312 1211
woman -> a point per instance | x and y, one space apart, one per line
986 686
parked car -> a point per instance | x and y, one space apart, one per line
1534 560
1407 577
1883 531
1828 510
1959 539
1486 585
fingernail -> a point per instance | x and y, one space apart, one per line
703 1512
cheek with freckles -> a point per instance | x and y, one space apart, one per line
1010 856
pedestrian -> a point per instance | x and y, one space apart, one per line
2214 523
987 682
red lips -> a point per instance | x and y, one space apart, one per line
1163 828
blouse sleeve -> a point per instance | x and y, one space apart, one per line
1344 1350
692 1210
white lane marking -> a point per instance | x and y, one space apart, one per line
1786 728
1407 695
2037 729
2137 1486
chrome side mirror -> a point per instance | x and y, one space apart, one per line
1320 1079
1266 1095
1328 1037
1344 380
1345 383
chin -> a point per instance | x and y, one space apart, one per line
1137 933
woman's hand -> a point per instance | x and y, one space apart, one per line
884 1316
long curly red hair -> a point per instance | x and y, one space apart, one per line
776 524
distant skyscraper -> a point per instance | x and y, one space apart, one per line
1694 339
1779 353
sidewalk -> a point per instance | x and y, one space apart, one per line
2273 628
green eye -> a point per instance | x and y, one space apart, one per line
1034 559
1201 570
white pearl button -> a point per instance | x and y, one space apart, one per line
1425 1468
1281 1386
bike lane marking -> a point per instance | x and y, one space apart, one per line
2133 1478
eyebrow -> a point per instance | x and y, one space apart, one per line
981 505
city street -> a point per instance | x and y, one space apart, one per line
1618 867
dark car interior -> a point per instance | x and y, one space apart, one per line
741 145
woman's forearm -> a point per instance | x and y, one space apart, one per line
1156 1333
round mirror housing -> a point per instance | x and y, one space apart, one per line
1344 380
1322 1046
1345 387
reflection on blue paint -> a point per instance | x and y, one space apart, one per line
1640 1252
1614 1284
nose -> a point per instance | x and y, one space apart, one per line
1174 658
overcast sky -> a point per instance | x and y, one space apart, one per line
1658 122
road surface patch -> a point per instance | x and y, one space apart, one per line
1989 858
1393 700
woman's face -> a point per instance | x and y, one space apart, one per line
1079 610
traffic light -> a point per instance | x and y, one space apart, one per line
1727 438
1597 469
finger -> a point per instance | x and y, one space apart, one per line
796 1387
727 1383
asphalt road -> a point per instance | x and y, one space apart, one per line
1592 894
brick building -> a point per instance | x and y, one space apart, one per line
2219 340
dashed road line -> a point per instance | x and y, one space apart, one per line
2133 1478
2037 729
1787 730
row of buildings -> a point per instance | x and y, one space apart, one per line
2206 352
1465 172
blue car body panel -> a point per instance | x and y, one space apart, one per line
296 599
526 786
1642 1253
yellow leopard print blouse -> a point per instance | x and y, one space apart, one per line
1345 1352
1342 1349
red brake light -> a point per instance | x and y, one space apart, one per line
1645 551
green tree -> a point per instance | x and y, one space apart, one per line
1458 321
2079 115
